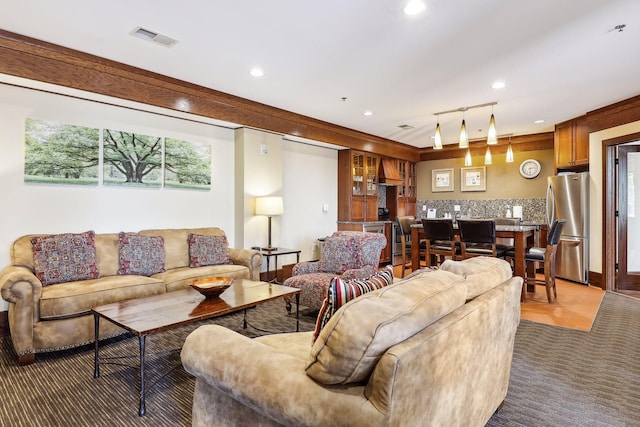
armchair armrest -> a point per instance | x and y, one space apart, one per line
359 273
249 258
305 267
270 382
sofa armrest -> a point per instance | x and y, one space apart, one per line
271 382
305 267
359 273
250 258
19 286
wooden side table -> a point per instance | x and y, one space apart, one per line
275 253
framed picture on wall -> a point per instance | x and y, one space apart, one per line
441 180
473 179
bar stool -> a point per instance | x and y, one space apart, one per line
440 240
404 224
546 255
478 238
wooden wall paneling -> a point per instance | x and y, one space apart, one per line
38 60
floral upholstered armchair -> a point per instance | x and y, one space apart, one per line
346 254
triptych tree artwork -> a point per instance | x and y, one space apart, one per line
57 153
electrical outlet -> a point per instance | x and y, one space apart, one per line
424 208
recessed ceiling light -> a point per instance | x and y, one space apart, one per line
538 121
414 7
368 113
498 85
256 72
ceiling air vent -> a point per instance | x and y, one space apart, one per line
154 37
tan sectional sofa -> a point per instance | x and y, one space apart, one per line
56 317
433 349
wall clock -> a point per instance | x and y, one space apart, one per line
530 168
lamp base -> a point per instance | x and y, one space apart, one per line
269 249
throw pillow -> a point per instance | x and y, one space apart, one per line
342 291
141 255
208 250
66 257
338 255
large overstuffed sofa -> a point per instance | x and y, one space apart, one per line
433 349
53 281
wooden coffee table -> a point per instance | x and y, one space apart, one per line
146 316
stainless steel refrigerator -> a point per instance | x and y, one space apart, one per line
568 199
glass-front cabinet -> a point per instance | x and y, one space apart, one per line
360 169
407 190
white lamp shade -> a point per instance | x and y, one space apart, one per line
269 206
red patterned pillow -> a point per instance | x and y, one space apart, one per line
141 255
65 257
208 250
342 291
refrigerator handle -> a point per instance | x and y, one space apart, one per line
550 205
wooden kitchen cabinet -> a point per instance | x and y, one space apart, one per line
407 191
357 186
571 145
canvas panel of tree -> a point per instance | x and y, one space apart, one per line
187 165
57 153
131 159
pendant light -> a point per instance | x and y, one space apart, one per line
464 138
492 135
467 158
437 142
487 156
509 152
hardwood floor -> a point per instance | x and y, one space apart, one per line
576 306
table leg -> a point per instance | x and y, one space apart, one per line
268 270
298 312
96 360
415 249
143 408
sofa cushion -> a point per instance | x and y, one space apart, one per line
179 278
338 255
176 243
141 255
208 250
360 332
60 258
342 291
481 273
77 298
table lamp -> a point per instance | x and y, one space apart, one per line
269 206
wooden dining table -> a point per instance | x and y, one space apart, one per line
524 236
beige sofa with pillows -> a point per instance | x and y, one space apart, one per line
433 349
54 280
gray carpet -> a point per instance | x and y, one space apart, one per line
560 377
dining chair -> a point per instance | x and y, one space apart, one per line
546 255
478 238
404 224
507 241
440 240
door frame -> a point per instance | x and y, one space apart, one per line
609 236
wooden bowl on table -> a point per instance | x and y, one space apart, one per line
211 287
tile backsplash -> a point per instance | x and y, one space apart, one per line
533 210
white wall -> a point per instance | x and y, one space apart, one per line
307 173
310 179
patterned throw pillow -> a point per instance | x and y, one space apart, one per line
208 250
338 255
141 255
66 257
342 291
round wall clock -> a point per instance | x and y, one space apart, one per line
530 168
